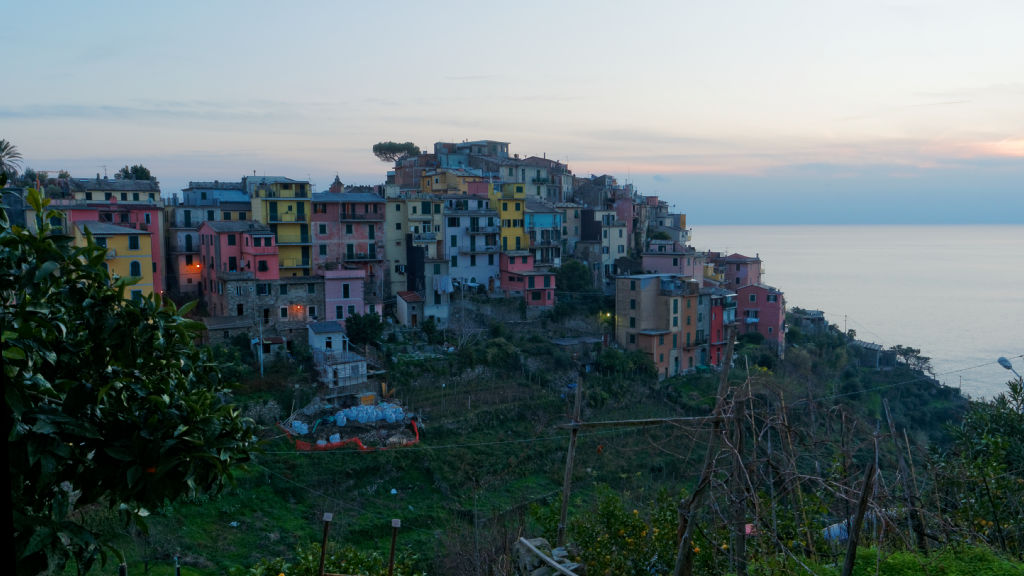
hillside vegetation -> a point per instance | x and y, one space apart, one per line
760 486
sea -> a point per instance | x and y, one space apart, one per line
954 292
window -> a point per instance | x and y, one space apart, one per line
455 241
263 289
345 291
135 269
284 312
256 241
632 322
232 240
284 289
351 310
455 261
339 312
136 295
322 228
632 338
632 303
348 229
101 242
227 215
773 297
148 218
632 284
232 263
261 265
323 249
310 288
753 297
133 242
209 215
398 225
188 259
312 312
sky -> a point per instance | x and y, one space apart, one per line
781 112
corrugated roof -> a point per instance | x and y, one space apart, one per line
326 327
107 228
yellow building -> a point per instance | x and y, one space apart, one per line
128 253
510 201
448 181
284 205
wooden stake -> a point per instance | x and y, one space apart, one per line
567 481
854 531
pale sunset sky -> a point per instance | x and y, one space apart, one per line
748 112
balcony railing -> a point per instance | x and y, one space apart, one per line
484 230
355 256
284 239
286 218
424 237
482 249
294 262
349 216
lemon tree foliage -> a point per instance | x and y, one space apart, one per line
109 402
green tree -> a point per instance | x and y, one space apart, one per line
364 329
393 151
109 402
574 276
10 158
134 172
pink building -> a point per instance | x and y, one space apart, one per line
343 294
762 309
231 253
348 233
739 270
519 277
671 257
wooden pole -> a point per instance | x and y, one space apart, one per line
323 546
739 492
854 531
913 519
395 525
684 554
567 481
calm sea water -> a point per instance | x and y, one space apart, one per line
955 292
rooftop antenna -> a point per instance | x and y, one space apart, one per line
104 170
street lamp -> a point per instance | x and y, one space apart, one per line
1006 364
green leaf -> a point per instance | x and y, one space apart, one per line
14 353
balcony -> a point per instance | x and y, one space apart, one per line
545 243
352 217
539 181
111 253
286 218
421 217
482 249
484 230
362 256
281 194
424 237
292 239
294 262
